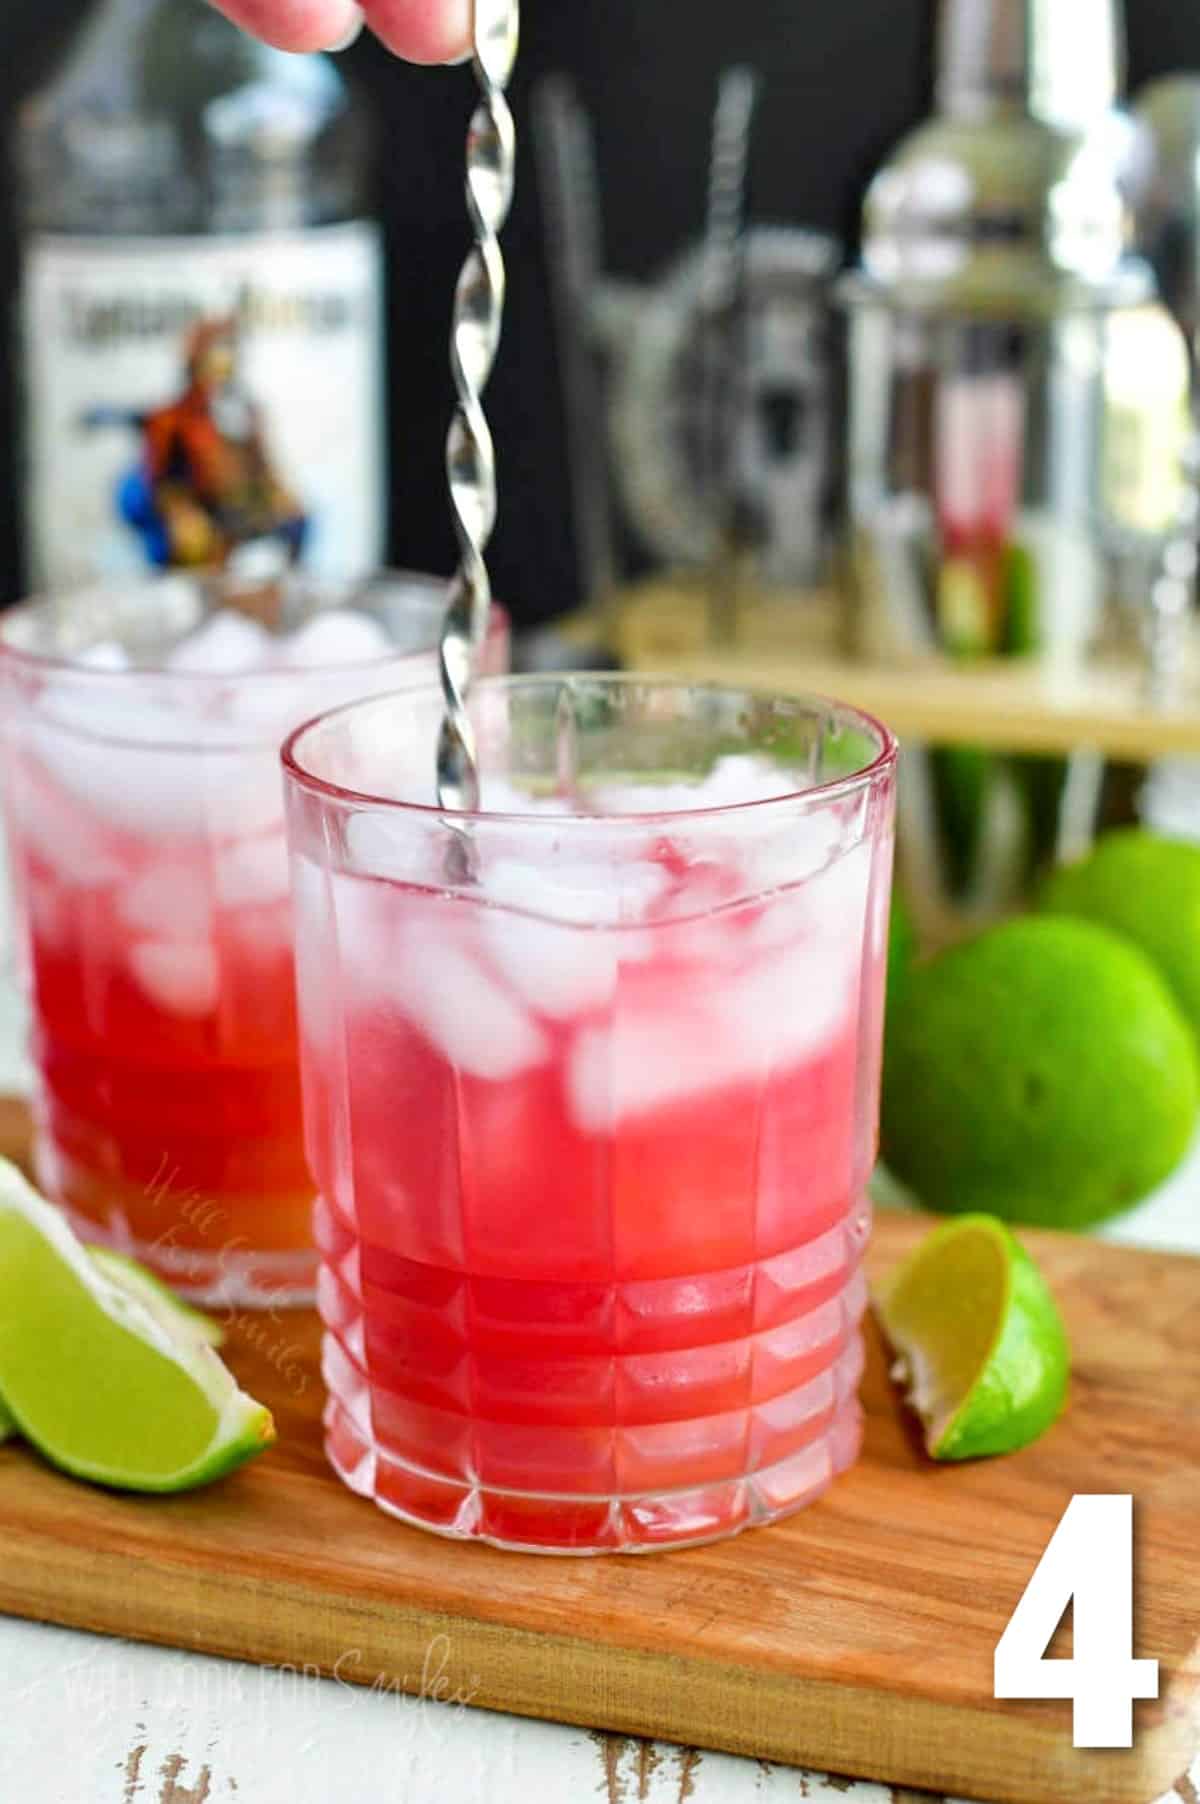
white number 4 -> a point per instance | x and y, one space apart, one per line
1089 1559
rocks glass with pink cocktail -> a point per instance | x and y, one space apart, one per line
141 726
591 1080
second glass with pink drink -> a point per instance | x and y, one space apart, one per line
591 1082
141 732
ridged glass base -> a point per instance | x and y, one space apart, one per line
592 1417
523 1522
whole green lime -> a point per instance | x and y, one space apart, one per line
1043 1073
1148 889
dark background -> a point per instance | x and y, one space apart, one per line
844 79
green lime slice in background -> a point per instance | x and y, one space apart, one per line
979 1342
108 1380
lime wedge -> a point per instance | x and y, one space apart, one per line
157 1297
978 1339
107 1384
172 1312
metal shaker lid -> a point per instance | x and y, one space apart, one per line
1009 203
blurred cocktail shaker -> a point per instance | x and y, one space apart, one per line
987 468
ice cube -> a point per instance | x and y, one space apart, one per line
172 792
743 777
499 795
169 900
128 758
556 971
734 1024
252 872
182 978
589 1081
829 907
336 636
268 708
585 892
789 846
241 793
59 833
106 654
226 644
117 713
643 798
364 924
155 756
646 1059
739 777
404 850
833 904
476 1025
787 1006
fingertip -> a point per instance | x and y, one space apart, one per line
423 31
352 33
301 26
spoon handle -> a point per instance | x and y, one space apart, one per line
475 338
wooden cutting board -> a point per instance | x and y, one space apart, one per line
856 1638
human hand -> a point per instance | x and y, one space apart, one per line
424 31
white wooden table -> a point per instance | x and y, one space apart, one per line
87 1720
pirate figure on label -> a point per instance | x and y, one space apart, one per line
205 485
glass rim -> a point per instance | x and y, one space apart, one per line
60 665
814 794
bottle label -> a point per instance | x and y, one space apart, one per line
204 401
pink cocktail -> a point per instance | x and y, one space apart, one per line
142 726
591 1081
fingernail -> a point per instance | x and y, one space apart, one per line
351 34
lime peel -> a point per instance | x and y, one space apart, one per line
980 1346
107 1375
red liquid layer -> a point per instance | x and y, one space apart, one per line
168 1112
558 1324
146 826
